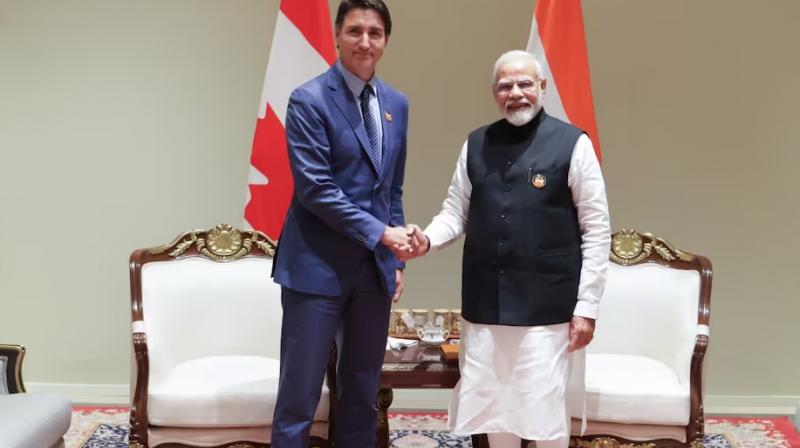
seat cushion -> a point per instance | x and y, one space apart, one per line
33 420
634 389
220 391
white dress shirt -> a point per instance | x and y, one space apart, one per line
585 180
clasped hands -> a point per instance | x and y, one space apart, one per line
406 242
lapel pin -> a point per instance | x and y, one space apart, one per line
539 181
388 117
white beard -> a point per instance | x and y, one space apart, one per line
520 117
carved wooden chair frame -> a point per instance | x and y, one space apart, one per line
223 243
14 354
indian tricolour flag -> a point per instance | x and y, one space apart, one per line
558 41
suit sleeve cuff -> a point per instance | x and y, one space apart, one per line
586 309
372 232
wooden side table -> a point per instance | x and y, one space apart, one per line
416 367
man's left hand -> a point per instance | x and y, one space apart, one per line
398 286
581 332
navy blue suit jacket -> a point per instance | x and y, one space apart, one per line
341 203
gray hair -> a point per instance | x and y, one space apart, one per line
517 55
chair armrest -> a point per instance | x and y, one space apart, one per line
695 429
138 413
13 356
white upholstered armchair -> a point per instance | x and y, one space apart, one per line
206 337
28 419
644 367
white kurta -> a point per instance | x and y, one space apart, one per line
513 379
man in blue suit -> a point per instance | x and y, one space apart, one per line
346 136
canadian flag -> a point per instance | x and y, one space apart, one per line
302 48
558 41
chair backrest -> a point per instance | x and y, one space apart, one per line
208 293
655 298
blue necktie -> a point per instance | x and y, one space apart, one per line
370 126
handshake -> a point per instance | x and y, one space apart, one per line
406 242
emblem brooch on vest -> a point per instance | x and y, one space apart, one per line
537 180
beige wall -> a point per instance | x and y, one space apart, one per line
123 124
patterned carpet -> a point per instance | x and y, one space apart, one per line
108 428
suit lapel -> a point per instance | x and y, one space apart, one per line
344 100
386 125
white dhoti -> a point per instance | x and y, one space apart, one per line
514 380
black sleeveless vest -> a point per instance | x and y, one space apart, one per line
522 254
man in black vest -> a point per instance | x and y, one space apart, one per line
529 195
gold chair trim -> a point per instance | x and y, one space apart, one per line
630 247
607 442
221 243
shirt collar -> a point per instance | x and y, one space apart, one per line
354 83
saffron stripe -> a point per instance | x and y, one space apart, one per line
560 24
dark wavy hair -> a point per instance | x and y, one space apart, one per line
376 5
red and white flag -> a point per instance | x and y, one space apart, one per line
558 41
302 48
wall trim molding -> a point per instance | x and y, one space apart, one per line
431 399
751 404
86 394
